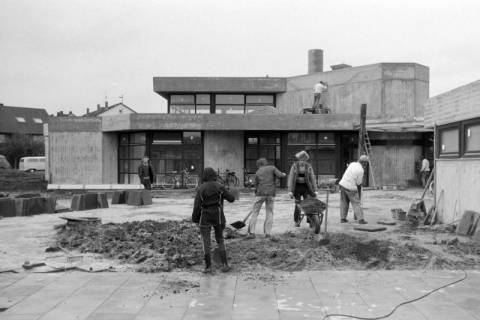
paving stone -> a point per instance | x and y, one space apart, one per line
468 223
112 316
50 295
19 316
86 300
7 207
252 299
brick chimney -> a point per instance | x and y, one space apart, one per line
88 110
106 104
98 106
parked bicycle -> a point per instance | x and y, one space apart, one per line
229 178
176 180
248 179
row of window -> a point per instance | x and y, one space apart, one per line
461 139
169 151
219 103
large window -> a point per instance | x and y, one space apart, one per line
472 138
320 147
190 103
241 103
175 151
449 141
460 139
132 148
262 145
220 103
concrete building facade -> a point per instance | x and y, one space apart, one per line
456 117
229 122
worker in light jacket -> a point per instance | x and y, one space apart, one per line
350 190
301 182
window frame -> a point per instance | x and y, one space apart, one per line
449 127
212 106
464 125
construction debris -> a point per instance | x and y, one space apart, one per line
469 223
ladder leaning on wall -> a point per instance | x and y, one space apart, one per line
368 150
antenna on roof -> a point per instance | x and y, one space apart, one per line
121 98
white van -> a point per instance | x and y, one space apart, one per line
32 164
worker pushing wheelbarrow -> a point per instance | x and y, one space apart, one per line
313 209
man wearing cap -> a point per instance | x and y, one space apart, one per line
350 187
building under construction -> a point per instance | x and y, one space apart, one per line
229 122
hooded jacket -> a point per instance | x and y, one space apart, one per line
208 204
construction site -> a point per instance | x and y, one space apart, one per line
283 182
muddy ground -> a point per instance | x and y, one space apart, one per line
152 246
157 238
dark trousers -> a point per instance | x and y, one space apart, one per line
205 231
301 191
146 183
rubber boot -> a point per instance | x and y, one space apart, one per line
208 264
225 266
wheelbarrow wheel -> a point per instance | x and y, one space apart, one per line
315 223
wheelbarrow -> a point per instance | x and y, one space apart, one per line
312 208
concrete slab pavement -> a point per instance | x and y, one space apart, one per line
305 295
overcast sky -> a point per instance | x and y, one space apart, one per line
69 54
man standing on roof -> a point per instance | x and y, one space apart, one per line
319 89
350 190
301 182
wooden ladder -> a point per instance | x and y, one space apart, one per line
368 150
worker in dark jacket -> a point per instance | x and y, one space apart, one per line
265 189
208 213
145 173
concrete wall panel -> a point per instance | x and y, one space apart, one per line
458 181
110 157
75 157
399 99
225 150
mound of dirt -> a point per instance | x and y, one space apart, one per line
161 246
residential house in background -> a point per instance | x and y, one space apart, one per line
24 126
116 109
230 122
20 120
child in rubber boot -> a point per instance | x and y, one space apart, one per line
208 214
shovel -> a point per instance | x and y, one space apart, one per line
240 224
